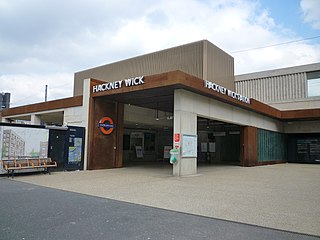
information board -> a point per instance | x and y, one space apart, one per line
22 142
204 147
212 147
308 150
139 152
75 148
189 145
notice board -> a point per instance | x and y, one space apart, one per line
189 145
22 142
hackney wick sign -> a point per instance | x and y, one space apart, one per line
130 82
217 88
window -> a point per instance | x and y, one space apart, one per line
313 82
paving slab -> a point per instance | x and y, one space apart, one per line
282 196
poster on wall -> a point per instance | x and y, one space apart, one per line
75 148
75 151
189 145
212 147
204 147
139 152
23 142
177 140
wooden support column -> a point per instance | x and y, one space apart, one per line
249 147
105 150
119 137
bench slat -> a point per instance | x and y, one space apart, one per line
26 163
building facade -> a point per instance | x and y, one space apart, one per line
4 100
184 98
13 145
201 59
285 89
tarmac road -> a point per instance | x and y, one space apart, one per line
280 196
33 212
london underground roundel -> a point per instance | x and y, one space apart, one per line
106 125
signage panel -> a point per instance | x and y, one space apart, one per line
222 90
23 142
106 125
118 84
189 145
177 140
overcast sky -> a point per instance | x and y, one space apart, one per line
47 41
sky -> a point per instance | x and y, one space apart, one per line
44 42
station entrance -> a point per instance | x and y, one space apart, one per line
147 137
218 142
136 125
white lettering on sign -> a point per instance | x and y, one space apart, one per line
217 88
118 84
134 81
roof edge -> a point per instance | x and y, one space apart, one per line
44 106
279 71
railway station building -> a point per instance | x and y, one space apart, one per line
188 98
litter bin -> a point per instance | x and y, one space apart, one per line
174 153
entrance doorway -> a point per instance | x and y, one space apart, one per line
57 146
218 142
147 136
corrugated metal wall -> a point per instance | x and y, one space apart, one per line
274 88
201 59
187 58
218 66
272 146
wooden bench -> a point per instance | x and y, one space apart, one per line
42 164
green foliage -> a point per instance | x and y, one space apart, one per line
33 153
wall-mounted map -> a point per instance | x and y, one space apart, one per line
189 145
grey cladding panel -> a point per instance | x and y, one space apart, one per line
187 58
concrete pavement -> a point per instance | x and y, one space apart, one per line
283 196
34 212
